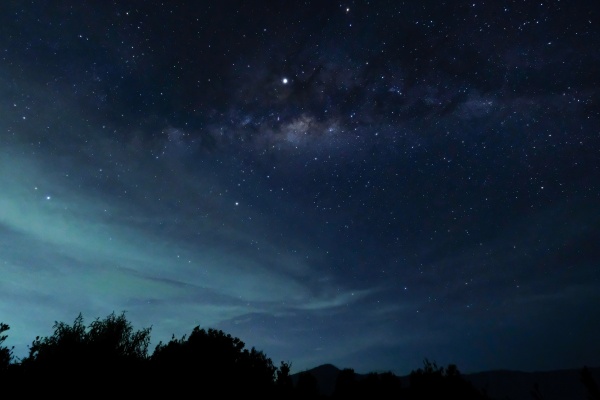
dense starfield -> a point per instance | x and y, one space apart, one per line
366 184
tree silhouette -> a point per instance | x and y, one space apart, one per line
102 356
432 382
284 385
115 339
380 386
6 357
390 385
215 360
5 352
345 384
307 386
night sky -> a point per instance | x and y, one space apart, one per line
366 184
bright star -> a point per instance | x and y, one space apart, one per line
284 81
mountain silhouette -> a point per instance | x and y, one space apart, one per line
326 376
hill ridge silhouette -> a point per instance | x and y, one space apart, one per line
559 384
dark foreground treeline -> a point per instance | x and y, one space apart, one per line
109 358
